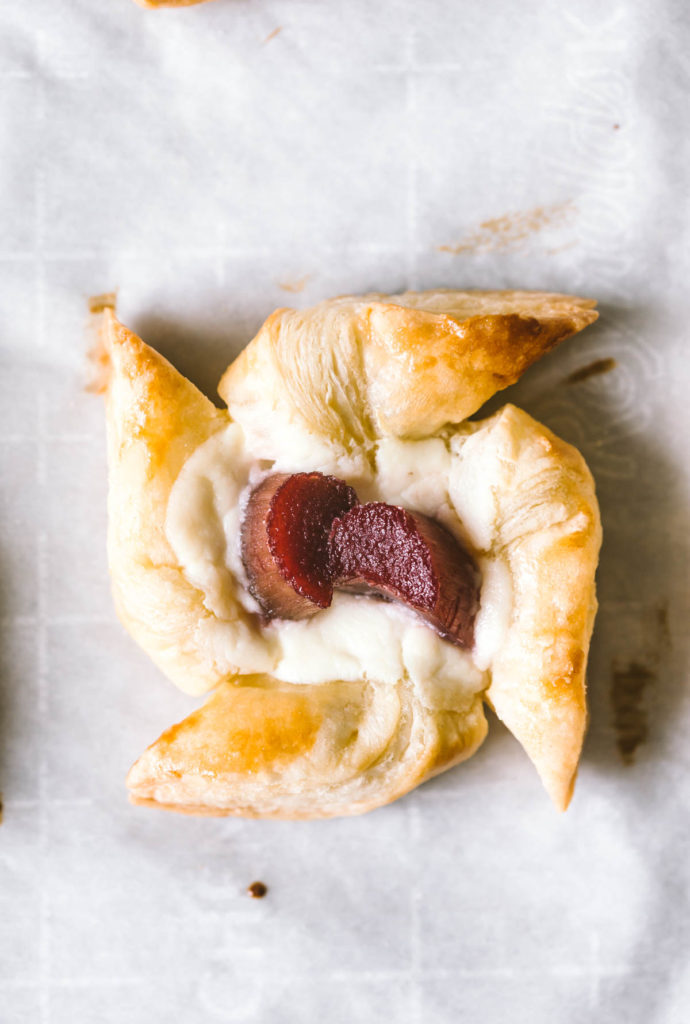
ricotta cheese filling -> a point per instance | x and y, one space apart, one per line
357 637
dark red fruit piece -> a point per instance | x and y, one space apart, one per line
285 541
410 558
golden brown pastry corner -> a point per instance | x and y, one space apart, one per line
538 686
402 365
276 750
155 418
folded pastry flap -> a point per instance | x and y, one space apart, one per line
547 528
428 369
272 749
300 385
538 683
156 418
355 369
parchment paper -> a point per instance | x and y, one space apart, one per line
211 168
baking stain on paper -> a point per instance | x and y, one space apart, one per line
629 684
662 626
295 286
629 713
272 35
511 230
594 369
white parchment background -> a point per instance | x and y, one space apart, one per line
202 168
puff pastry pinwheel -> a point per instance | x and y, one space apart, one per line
341 706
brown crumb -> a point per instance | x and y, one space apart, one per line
629 714
295 286
616 127
99 303
257 890
591 370
272 35
510 230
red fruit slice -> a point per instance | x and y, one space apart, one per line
285 541
410 558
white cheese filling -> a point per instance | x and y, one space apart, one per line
357 637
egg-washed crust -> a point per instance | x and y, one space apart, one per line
274 750
404 365
401 366
156 418
547 528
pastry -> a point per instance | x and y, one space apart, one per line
244 560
